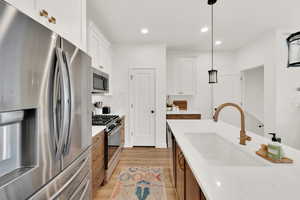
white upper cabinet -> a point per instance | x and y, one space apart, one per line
182 76
67 17
99 49
26 6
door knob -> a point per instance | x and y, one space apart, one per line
152 111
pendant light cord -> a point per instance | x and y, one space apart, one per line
212 37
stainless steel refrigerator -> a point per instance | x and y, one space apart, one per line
45 123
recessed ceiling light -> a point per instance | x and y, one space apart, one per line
218 42
204 29
144 31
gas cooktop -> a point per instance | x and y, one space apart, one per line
103 120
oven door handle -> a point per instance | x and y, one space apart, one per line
113 131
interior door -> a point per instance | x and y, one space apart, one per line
142 107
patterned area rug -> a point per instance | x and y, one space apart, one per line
140 183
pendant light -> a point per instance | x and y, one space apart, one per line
293 42
212 74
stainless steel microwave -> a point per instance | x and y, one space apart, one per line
100 81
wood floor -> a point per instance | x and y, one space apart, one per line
140 156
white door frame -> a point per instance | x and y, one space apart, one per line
131 123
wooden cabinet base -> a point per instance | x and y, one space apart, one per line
98 167
183 116
186 185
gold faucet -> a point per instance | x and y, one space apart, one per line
243 136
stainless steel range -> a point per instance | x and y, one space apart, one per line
104 120
112 135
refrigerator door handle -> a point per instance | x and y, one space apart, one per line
57 110
65 98
67 137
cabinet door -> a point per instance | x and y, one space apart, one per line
94 48
171 150
180 174
174 78
26 6
104 55
98 167
123 131
68 15
187 73
192 189
182 76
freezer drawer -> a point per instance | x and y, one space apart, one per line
73 182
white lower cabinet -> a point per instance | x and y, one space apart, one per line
67 17
182 76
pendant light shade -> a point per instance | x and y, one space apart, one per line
293 42
212 74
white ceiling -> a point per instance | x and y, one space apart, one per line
177 23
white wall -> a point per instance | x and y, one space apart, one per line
225 64
253 92
129 56
261 52
288 98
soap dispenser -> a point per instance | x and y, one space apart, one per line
274 138
275 150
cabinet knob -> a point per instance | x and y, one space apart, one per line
52 20
43 13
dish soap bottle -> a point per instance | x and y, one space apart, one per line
275 150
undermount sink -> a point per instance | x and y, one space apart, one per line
220 152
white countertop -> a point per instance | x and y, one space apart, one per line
271 182
97 129
183 112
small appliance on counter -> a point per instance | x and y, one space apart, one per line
98 108
106 110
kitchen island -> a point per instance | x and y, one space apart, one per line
239 174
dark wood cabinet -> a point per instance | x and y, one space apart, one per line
192 189
122 131
180 174
98 168
187 187
172 151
